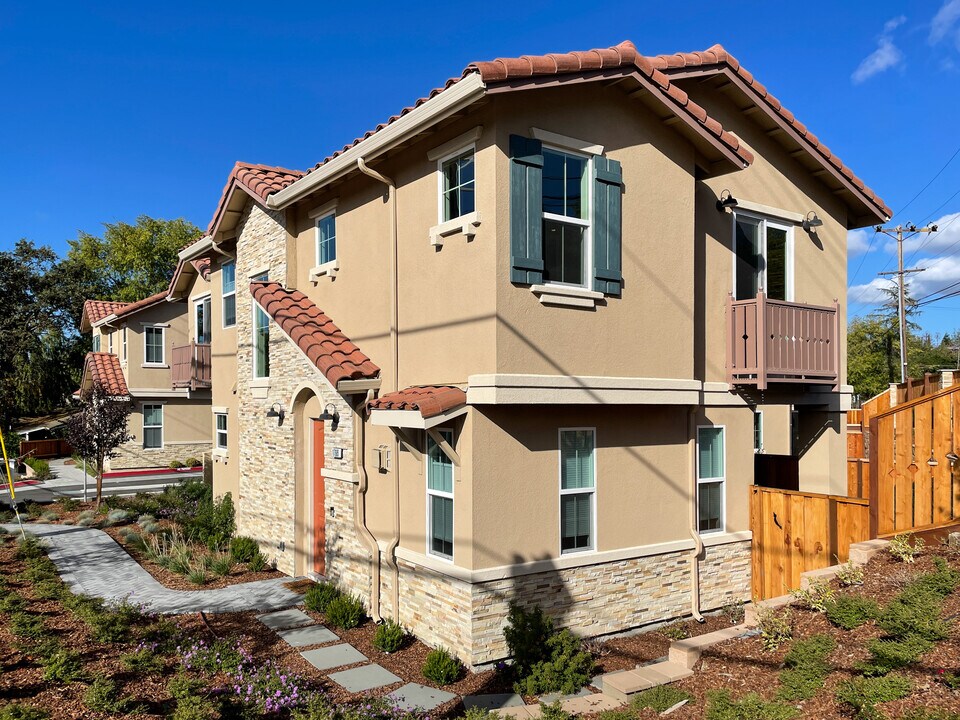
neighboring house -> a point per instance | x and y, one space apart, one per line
156 351
533 339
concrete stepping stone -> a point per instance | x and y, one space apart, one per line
520 712
309 635
419 697
589 704
551 698
285 619
333 656
364 678
495 701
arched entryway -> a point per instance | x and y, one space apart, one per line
309 511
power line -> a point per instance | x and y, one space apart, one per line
939 172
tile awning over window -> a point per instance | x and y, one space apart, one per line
104 368
421 406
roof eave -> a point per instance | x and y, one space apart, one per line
449 102
201 246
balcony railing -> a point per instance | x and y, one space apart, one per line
191 367
772 341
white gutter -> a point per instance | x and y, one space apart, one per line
441 106
201 246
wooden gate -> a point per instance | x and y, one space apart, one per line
914 469
795 531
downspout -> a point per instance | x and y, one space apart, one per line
694 530
360 507
395 347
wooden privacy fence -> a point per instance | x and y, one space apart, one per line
46 448
795 531
914 480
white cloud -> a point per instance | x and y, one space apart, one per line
944 21
870 293
858 241
886 56
893 23
939 273
947 238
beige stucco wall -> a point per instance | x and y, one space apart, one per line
223 350
186 433
175 315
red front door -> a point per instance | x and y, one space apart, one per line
319 516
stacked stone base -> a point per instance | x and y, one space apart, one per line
133 455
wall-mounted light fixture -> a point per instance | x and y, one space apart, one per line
811 221
932 462
726 200
953 458
276 411
329 413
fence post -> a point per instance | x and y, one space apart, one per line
874 478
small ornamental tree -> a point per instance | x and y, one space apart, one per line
99 428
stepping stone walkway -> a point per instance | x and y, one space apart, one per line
304 636
334 656
285 619
419 697
492 702
91 562
366 677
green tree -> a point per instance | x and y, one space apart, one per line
98 428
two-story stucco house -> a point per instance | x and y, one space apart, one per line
533 339
156 351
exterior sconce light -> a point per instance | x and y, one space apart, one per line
932 462
276 411
330 413
811 221
726 200
953 458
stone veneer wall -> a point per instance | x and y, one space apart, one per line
267 464
133 455
591 600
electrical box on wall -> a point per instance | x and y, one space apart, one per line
338 453
381 457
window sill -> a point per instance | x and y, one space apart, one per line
260 388
329 270
155 366
566 296
220 455
465 224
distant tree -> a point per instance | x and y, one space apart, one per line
98 428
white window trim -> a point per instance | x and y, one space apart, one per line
95 344
565 141
225 295
123 345
708 481
322 211
199 300
758 450
163 346
440 493
460 141
264 380
144 427
216 431
588 224
594 544
763 220
110 342
465 225
471 147
328 269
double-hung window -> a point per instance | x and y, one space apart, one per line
763 258
110 343
440 497
458 185
261 339
577 490
123 343
327 239
201 321
96 341
153 426
228 288
711 469
153 345
566 218
221 427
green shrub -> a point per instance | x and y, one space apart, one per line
734 612
850 574
41 468
48 516
901 548
27 625
478 713
210 521
143 660
68 504
345 612
805 668
675 631
720 706
863 694
243 548
816 596
567 669
175 465
29 547
389 636
197 575
22 712
182 686
62 666
318 597
851 611
257 563
222 565
180 564
526 634
11 603
195 707
776 626
115 517
942 581
441 667
113 624
192 462
554 711
660 698
922 713
103 696
889 654
50 589
618 714
914 613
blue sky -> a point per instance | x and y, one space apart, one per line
114 110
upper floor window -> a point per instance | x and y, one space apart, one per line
327 239
228 287
763 258
201 320
153 345
110 343
261 339
711 478
577 490
566 218
96 341
123 344
458 178
440 497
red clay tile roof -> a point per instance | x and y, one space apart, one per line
259 181
623 55
97 310
430 400
202 266
104 368
313 332
717 56
141 304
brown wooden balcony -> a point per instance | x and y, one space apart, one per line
191 367
773 341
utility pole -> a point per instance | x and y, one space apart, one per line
897 234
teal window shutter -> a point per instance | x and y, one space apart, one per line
607 220
526 199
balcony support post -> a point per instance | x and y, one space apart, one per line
836 342
761 340
732 340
